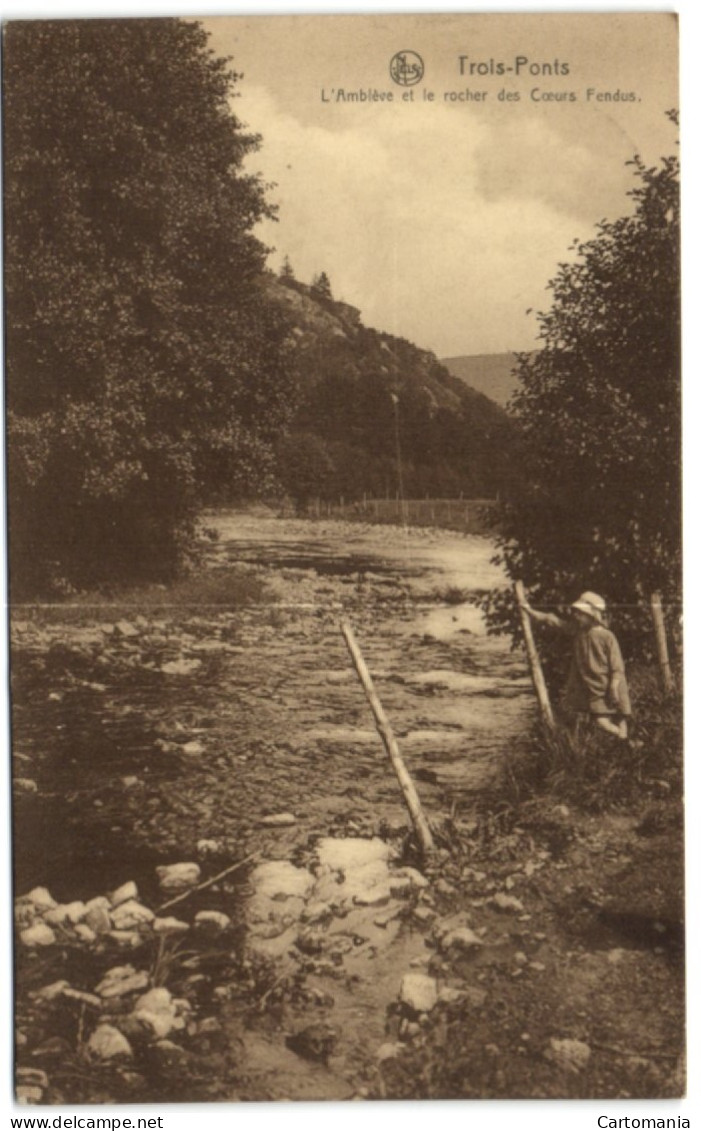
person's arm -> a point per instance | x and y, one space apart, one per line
551 619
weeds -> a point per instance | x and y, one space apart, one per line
597 771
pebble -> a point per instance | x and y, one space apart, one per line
28 1094
503 902
169 926
423 915
278 820
25 785
462 938
449 996
121 980
569 1054
390 1050
212 920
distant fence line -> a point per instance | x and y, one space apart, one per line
471 515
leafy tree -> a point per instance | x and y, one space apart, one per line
144 366
286 270
306 467
321 286
597 505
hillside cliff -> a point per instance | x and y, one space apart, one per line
374 409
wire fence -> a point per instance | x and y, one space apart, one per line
470 516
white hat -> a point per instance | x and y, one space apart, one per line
591 604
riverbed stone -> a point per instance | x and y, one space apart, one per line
169 926
98 920
124 893
121 980
212 920
418 992
278 820
107 1043
40 934
64 913
281 880
41 898
131 914
462 939
505 903
178 877
572 1055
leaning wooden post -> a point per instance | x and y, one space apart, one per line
539 685
661 641
411 797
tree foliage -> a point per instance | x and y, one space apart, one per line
144 367
598 503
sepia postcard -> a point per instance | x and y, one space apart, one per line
343 433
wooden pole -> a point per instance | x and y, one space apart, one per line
539 685
384 730
661 641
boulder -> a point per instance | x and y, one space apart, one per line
418 992
131 914
178 877
122 894
64 913
107 1043
347 853
41 898
38 935
98 920
278 879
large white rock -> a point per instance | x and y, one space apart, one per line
121 894
38 935
418 992
107 1043
158 1012
278 879
347 853
178 877
41 898
64 913
131 914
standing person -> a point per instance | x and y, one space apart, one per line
596 686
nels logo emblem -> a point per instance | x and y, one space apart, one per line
406 68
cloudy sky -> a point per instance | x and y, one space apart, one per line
443 221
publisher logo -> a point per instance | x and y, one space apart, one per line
406 68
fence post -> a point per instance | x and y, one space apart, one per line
661 642
539 685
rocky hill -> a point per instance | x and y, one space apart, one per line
374 408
